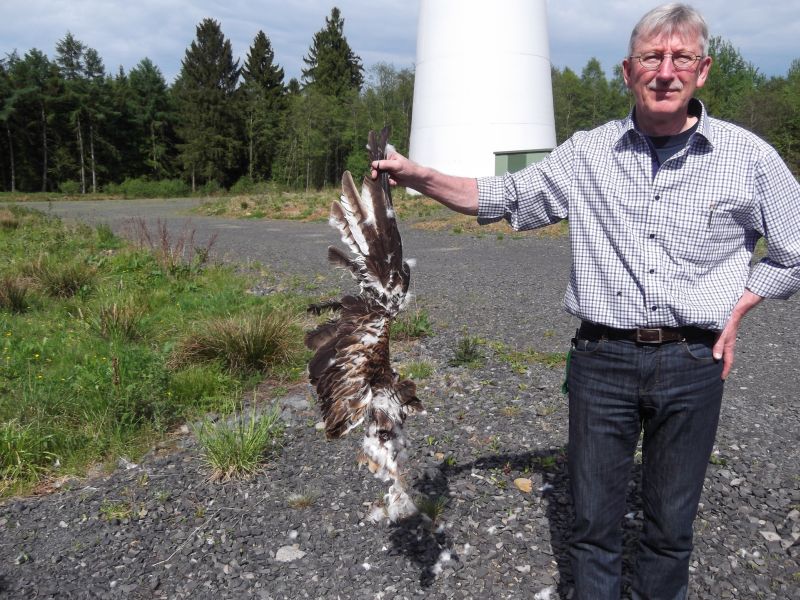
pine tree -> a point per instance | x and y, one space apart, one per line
69 57
209 118
265 102
320 124
153 118
333 68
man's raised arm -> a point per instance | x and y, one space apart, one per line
456 193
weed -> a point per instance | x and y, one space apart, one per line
412 325
467 353
176 255
519 360
303 499
115 510
547 462
416 370
237 449
433 508
716 459
450 461
497 477
511 411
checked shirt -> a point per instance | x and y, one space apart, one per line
669 247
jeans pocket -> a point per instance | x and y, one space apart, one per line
581 346
699 351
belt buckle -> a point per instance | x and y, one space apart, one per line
649 336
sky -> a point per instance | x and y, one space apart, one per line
767 32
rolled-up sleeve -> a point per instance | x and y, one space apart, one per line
778 194
533 197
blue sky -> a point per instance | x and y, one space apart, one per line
767 32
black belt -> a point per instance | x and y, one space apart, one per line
653 335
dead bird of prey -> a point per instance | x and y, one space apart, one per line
350 369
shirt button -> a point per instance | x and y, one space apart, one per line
652 271
654 308
658 197
652 236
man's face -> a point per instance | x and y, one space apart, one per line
663 94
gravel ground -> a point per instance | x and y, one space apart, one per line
159 530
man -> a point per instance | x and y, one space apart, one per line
665 208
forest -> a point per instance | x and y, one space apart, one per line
69 126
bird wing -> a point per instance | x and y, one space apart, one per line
351 362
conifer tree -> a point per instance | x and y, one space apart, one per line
209 117
264 98
333 68
69 57
152 117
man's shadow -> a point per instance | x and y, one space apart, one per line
424 542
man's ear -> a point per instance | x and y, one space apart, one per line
702 71
627 64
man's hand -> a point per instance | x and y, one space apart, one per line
724 348
401 170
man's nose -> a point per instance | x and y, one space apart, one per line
666 70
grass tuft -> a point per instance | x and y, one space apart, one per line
119 321
238 448
433 508
467 353
416 370
8 220
258 342
23 453
14 293
61 279
304 499
412 325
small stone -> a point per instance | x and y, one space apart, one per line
320 426
524 569
524 485
289 553
770 536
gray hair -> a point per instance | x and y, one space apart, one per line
669 19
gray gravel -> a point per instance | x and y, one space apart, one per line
485 427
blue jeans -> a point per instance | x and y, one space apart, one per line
617 389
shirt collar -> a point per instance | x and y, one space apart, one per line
696 108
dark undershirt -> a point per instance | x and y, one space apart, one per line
665 146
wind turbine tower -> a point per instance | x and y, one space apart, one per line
483 101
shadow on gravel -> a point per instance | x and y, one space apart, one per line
421 541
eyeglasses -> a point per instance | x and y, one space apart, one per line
682 62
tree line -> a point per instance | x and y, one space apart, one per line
70 126
734 91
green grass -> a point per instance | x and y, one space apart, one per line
416 370
412 325
520 360
467 353
432 507
238 448
90 375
